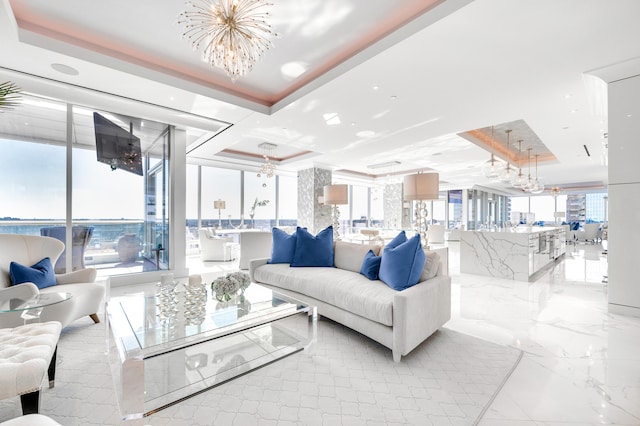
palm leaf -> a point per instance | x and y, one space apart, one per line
9 95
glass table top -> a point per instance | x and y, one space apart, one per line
158 324
40 301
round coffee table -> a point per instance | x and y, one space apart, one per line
32 308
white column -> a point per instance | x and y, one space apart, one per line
624 185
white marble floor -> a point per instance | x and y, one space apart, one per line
581 365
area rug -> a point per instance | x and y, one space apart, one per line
347 379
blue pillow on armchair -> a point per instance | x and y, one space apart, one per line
313 251
402 262
282 247
41 274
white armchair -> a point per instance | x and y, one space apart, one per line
436 234
589 232
214 248
87 296
254 245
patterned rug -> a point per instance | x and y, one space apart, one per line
348 379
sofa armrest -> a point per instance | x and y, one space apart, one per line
87 275
419 311
254 263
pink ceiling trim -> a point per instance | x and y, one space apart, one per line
85 39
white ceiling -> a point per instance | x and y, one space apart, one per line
459 66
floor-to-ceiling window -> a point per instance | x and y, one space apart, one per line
287 200
259 201
224 185
103 158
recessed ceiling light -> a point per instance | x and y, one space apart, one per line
366 134
331 118
376 87
353 123
629 115
394 97
293 69
573 111
65 69
567 96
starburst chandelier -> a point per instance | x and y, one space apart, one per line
233 34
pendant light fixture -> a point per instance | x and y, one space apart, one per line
537 187
491 169
508 173
519 180
529 184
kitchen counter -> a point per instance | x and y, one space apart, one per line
516 254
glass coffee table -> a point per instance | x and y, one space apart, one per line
165 354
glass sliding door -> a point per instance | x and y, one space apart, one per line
120 197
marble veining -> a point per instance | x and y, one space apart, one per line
501 255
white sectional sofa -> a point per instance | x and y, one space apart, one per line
399 320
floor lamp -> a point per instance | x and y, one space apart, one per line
335 195
220 205
421 187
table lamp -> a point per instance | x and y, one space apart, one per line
420 187
220 205
333 196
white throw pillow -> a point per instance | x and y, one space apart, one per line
430 266
349 256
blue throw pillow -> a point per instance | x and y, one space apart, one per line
402 263
282 247
399 239
370 265
41 274
313 251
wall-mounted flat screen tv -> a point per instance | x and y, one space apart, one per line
116 146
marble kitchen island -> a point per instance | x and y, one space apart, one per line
516 254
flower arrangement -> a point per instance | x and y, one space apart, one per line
256 204
230 284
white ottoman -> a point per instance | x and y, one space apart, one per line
28 352
31 420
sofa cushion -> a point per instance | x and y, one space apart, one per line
41 273
431 265
282 247
371 265
402 262
349 256
346 290
313 250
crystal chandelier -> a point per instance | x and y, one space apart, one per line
267 169
232 33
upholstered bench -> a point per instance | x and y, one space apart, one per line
31 420
28 352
